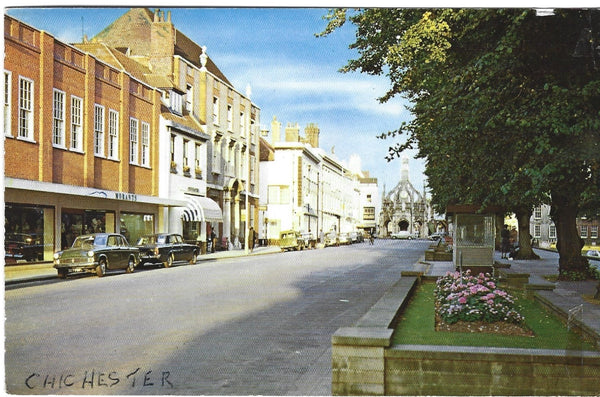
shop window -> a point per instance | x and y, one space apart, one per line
134 226
29 233
76 222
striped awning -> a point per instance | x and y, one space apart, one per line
201 209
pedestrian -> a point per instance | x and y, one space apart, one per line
213 239
251 237
371 237
505 243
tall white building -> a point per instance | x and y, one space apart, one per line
306 189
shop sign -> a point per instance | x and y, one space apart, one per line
126 196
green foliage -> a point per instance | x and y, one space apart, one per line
503 113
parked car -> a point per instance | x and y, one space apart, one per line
402 234
353 237
332 238
23 246
165 249
308 240
96 253
290 240
437 236
594 254
344 239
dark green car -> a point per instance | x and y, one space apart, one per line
97 253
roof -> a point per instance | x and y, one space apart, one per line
114 57
132 31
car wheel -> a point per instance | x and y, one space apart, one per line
101 268
193 258
62 273
169 261
131 265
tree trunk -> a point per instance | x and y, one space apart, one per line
525 250
499 224
568 242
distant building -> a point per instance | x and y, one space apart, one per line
304 188
404 208
543 230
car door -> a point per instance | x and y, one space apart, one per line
113 252
177 242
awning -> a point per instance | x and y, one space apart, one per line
201 209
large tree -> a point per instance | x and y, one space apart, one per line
505 104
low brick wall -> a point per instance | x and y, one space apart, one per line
365 363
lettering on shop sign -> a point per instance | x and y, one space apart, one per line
126 196
97 380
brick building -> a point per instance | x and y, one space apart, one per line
207 119
81 144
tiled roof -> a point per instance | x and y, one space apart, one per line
132 30
184 120
119 60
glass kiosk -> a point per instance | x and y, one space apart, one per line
474 244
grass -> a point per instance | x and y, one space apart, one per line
417 326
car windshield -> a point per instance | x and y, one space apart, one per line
87 242
145 240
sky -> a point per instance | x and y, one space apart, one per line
293 75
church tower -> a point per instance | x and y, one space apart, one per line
404 169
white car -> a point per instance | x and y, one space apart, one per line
402 234
593 254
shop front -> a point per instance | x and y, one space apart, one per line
41 217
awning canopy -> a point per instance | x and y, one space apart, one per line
201 209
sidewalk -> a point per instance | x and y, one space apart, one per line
567 297
15 274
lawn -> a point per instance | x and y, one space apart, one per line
417 326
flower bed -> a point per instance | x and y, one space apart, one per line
462 297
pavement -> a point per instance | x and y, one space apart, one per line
567 297
22 273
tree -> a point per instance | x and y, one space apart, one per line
503 113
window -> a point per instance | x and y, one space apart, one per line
172 148
242 124
215 110
278 194
229 118
98 130
113 134
7 102
58 118
537 213
584 231
189 98
176 102
216 161
594 232
369 213
198 155
552 232
537 231
76 138
133 141
145 144
25 108
186 145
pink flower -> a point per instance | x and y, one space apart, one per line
462 300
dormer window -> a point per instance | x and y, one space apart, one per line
176 101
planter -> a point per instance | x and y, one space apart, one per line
365 361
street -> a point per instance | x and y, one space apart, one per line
251 325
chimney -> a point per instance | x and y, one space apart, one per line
312 134
292 133
162 45
275 130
